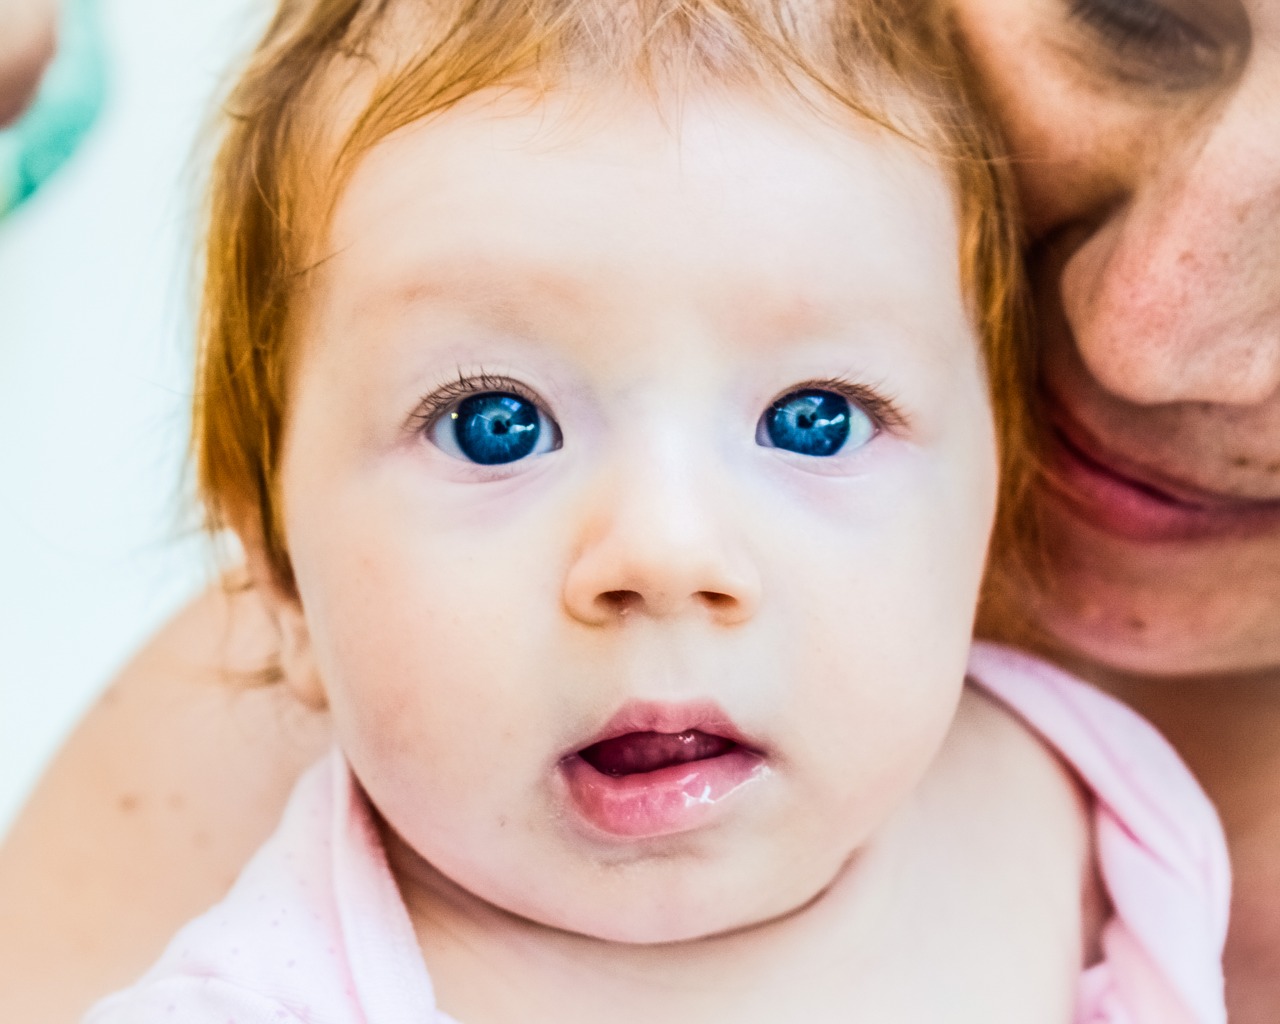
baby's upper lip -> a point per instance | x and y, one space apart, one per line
671 718
1084 445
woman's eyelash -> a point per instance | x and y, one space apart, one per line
1137 23
437 402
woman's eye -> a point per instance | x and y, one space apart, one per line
815 422
493 428
1151 34
1132 21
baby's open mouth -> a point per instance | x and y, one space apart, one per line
657 770
638 752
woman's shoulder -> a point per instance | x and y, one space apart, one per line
313 929
149 812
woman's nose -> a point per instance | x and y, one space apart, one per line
1177 298
660 540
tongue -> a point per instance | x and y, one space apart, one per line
648 751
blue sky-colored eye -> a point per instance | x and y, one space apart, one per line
815 422
493 428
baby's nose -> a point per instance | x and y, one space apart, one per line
662 539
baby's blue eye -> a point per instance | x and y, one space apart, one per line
815 422
493 428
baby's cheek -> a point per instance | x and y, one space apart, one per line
427 690
879 670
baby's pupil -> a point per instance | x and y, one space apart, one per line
493 428
809 422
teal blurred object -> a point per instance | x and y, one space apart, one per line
70 98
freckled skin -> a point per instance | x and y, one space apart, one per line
1153 206
1151 185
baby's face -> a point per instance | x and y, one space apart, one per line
637 481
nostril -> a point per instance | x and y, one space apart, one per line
619 601
620 604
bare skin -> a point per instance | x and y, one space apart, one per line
209 795
27 41
1046 859
618 559
164 791
180 763
803 965
1148 150
1189 637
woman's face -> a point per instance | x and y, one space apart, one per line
1147 141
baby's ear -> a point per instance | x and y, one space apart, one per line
280 597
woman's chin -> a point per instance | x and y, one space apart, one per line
1175 609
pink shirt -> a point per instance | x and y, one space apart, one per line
315 932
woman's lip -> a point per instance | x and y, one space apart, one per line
1135 503
671 800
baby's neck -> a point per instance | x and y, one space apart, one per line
488 965
920 923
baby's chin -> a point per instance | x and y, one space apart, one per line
682 910
657 897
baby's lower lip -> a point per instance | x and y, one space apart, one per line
644 785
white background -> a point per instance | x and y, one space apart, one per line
98 541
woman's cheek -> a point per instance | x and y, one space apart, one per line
1079 141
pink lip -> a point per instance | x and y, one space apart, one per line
669 800
1136 503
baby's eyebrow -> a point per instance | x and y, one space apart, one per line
494 284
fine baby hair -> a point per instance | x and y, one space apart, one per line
613 399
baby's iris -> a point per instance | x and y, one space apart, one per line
815 422
493 428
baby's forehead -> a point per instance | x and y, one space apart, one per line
528 216
387 67
391 63
523 150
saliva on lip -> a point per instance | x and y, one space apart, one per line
708 796
690 800
665 799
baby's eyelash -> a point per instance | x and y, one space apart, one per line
437 402
873 399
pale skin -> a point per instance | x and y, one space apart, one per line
1087 135
865 950
660 550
